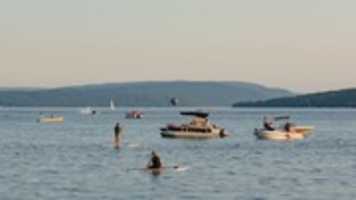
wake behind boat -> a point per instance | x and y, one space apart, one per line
198 128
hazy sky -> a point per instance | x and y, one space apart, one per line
303 45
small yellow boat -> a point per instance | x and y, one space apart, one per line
51 119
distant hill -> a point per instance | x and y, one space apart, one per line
189 93
18 89
340 98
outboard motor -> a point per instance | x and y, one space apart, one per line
223 134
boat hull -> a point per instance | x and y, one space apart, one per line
191 134
296 133
134 115
51 120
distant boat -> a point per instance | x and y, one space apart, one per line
51 119
134 115
88 111
112 105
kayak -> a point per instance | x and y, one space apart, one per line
295 133
175 168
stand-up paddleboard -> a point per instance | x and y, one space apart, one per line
134 145
116 144
182 169
174 168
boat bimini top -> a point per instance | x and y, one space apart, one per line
196 114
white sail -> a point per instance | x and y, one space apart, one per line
112 105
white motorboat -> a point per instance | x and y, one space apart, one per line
286 133
296 133
198 128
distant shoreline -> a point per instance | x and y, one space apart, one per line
333 99
177 108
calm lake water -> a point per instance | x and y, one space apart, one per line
75 160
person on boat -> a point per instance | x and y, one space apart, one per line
288 126
268 125
223 133
117 135
155 161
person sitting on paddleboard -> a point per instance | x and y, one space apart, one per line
268 125
155 162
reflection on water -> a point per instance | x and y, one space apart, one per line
75 160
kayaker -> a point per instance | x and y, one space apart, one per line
117 135
155 161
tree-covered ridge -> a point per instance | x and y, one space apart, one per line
340 98
189 93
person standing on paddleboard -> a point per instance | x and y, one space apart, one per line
117 135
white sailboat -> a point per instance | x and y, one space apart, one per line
112 105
